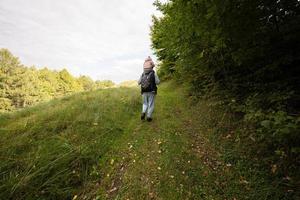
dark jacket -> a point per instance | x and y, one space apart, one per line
154 80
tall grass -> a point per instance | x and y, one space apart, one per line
48 151
92 145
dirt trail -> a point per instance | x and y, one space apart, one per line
167 158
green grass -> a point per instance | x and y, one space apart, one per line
92 145
48 151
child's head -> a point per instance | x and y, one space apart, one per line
148 59
148 64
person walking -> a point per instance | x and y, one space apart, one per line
148 81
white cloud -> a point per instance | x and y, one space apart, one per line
102 39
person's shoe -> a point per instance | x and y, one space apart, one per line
143 116
149 119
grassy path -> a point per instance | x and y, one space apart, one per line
94 146
167 158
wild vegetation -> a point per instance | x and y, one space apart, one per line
53 150
226 122
92 145
21 86
246 54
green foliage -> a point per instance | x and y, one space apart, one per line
246 52
132 83
86 82
104 84
21 86
266 171
67 83
53 150
92 145
240 46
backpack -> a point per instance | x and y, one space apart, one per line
146 81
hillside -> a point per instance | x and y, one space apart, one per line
92 145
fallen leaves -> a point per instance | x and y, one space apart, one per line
243 181
112 161
151 195
228 136
273 168
112 190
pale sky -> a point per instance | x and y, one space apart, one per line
104 39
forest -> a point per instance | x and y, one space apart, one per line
21 86
246 54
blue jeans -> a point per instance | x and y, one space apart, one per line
148 103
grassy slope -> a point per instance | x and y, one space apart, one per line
93 146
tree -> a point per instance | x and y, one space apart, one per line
104 84
22 86
67 83
86 82
247 51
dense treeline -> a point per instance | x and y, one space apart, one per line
248 53
21 86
